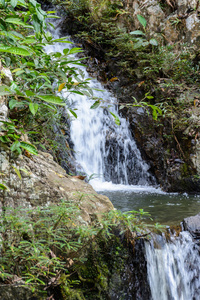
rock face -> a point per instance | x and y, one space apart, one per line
12 292
181 23
44 182
192 224
133 282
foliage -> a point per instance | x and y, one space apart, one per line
141 41
47 246
136 52
3 187
38 77
12 135
155 109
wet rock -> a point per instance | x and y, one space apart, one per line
16 291
192 224
196 157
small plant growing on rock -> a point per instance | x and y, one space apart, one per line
141 41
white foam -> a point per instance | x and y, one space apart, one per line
109 186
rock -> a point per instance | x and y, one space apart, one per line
15 291
167 19
179 161
196 157
44 182
3 110
192 224
185 5
193 29
3 113
6 76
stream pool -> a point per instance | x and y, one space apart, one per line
165 208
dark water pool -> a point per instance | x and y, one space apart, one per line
168 209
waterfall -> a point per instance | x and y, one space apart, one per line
173 267
103 149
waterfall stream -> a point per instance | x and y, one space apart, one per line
173 268
108 152
103 149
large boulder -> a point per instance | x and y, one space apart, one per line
40 181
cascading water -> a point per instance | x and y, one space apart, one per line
173 268
102 148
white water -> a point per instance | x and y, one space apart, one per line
173 268
103 150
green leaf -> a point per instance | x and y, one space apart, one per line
33 108
137 32
75 50
52 99
36 24
29 147
17 172
61 40
15 146
13 103
4 90
142 20
95 105
15 50
17 21
49 106
13 3
117 120
73 113
28 41
87 93
153 42
53 17
66 51
3 187
26 171
29 93
22 3
4 139
154 114
139 44
77 92
19 72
